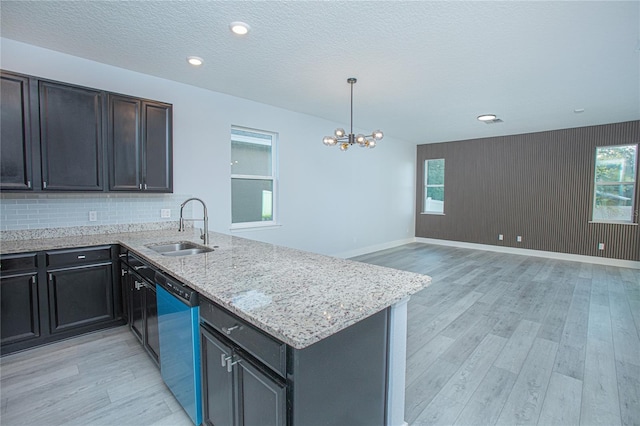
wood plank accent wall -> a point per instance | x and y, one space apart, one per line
537 185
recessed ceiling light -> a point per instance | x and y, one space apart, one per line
578 110
196 61
487 117
240 28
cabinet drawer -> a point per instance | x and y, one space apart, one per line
18 262
140 266
77 256
263 347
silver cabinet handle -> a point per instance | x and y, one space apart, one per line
33 279
145 186
82 256
230 330
224 358
230 364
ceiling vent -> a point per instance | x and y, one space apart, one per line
495 120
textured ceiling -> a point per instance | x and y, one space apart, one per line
425 69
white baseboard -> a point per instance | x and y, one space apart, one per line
371 249
537 253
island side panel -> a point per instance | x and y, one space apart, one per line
342 379
397 364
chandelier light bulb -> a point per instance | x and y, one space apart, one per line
360 138
344 146
329 140
339 132
377 135
372 143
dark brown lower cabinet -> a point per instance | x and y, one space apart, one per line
251 378
19 313
136 308
53 295
217 383
142 304
236 390
152 337
143 317
263 398
80 296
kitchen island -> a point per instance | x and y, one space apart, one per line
298 298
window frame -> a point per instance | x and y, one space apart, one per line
273 177
425 186
633 220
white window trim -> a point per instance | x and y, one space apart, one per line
274 177
425 186
634 202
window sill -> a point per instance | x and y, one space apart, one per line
613 222
433 213
254 226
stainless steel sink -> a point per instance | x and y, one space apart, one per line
187 252
182 248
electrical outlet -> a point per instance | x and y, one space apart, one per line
500 237
600 246
164 213
93 216
519 238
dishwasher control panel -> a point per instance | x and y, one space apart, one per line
182 292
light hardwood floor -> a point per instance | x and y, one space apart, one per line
103 378
508 339
496 339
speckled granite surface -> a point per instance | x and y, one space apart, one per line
298 297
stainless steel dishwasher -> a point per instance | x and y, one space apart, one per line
178 322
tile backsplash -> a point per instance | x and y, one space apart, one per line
37 211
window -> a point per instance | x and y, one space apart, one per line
253 177
615 183
433 186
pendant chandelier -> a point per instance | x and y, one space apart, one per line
346 140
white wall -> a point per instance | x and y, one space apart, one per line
330 202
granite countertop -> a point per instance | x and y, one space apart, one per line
296 296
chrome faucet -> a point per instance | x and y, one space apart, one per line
205 232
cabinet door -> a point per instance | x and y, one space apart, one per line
217 381
15 135
158 147
151 337
136 305
71 137
80 296
262 398
124 144
19 315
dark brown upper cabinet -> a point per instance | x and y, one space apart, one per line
66 138
15 133
71 137
140 145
